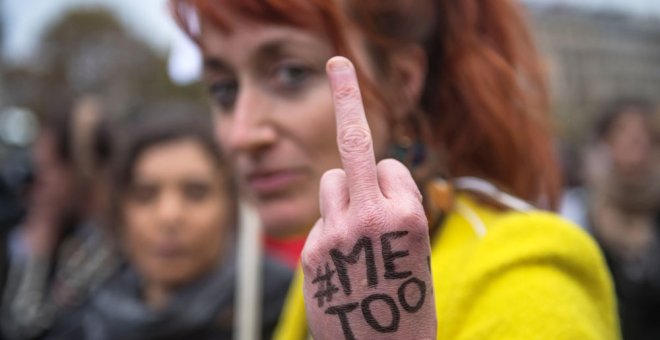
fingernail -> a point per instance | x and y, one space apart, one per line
338 64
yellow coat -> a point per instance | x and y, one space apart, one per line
506 275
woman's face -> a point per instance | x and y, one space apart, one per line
175 213
274 116
630 142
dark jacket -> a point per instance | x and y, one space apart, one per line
202 310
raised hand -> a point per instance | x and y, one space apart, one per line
366 261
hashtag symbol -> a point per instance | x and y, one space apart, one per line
326 288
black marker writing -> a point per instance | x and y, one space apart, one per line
340 261
389 256
371 320
411 294
326 287
341 312
422 295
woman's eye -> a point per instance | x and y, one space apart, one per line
144 194
291 76
224 93
196 192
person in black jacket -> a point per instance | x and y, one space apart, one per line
623 178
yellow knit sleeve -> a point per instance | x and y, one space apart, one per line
293 320
532 276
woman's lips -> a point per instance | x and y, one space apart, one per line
169 251
272 182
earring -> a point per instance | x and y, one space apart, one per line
412 154
410 146
425 164
439 200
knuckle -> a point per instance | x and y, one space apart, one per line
412 218
347 93
371 219
418 195
364 195
334 239
313 255
332 176
309 256
399 174
355 139
391 164
393 168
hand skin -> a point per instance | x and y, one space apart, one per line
365 261
42 223
40 234
41 230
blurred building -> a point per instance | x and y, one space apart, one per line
594 57
85 51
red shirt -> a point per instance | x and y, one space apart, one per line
286 250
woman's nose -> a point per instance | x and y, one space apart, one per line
250 128
170 210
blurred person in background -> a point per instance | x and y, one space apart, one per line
12 208
573 204
59 252
452 89
176 213
623 180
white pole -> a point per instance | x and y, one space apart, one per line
248 281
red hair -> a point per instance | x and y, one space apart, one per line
485 96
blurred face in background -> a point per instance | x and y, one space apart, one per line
275 117
630 142
175 212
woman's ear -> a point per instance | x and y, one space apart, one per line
409 66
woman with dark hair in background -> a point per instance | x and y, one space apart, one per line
60 252
453 244
176 213
623 201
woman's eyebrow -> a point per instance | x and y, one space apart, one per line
272 49
214 63
267 51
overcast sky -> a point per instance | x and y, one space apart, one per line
24 20
640 7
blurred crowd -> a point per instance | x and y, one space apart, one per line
122 221
71 273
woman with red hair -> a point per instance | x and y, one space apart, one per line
449 240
